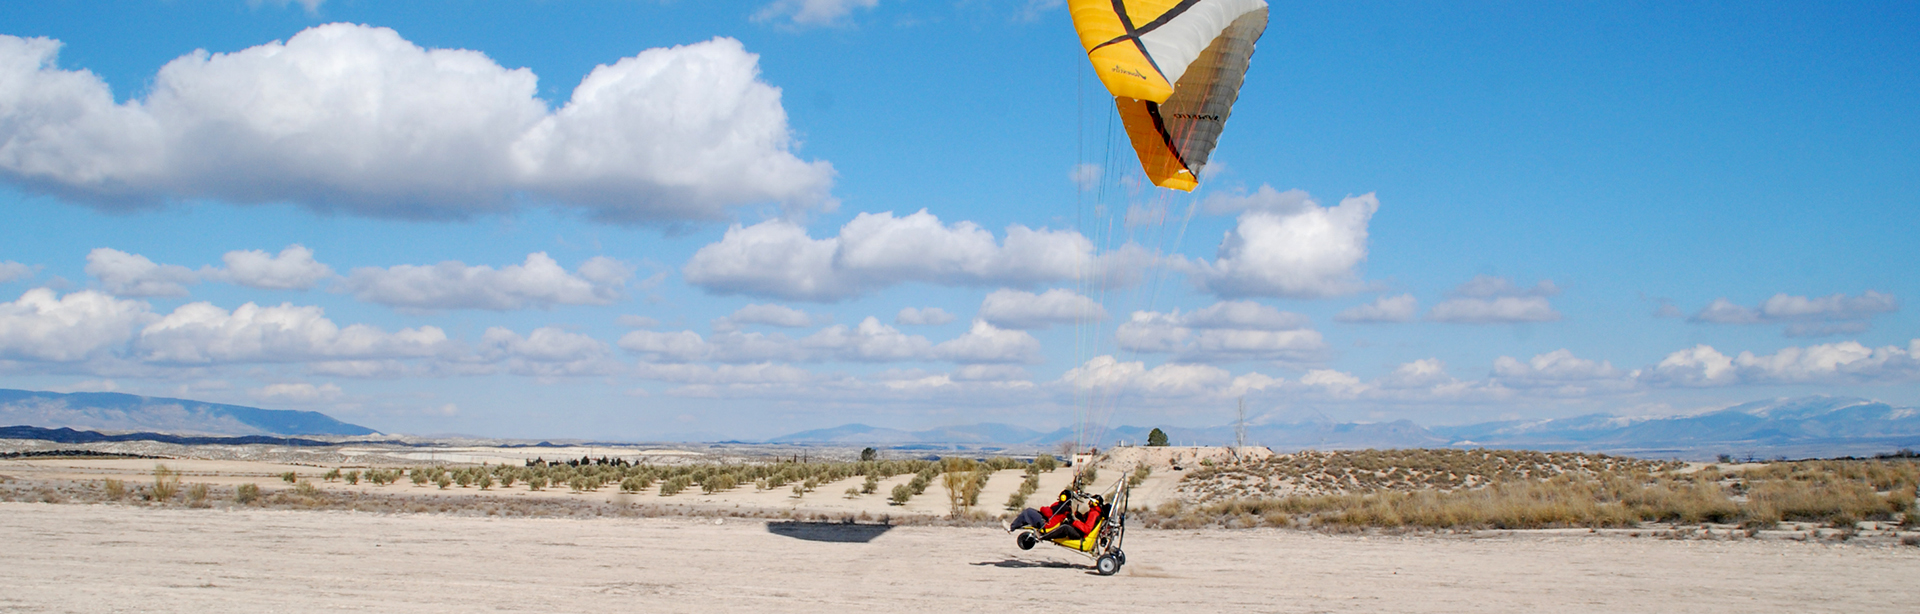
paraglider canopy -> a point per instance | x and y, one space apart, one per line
1174 68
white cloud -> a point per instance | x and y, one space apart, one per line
296 393
1085 176
1832 363
43 326
1266 199
539 282
770 315
1503 310
1805 317
776 258
352 118
870 341
1224 332
930 316
984 343
1022 310
1486 299
1109 375
1384 309
200 333
1562 373
293 269
1301 252
10 270
547 351
811 12
125 274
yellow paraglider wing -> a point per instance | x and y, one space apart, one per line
1174 68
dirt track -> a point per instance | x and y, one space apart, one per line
93 558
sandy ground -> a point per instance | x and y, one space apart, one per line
104 558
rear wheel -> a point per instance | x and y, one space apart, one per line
1107 565
1026 540
1122 555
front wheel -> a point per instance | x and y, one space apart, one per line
1122 555
1107 565
1026 540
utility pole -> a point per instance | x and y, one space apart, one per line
1240 428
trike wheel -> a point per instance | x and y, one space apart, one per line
1026 540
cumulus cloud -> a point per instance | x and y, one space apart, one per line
1844 362
915 316
201 333
776 258
10 271
770 315
984 343
293 269
1804 316
1384 309
1486 299
869 341
1562 372
1224 332
539 282
1022 310
124 274
811 12
356 119
1109 375
42 326
1285 245
547 351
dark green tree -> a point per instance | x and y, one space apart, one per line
1157 438
869 454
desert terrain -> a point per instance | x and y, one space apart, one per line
101 558
315 543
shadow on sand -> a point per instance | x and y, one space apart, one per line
1019 564
844 532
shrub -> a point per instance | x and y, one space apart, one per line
1017 500
1157 438
306 489
166 482
901 493
1046 462
872 484
799 491
506 479
443 481
674 485
197 495
353 477
853 492
332 474
116 489
246 493
485 481
420 477
1140 474
289 477
536 482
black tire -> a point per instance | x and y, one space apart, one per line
1106 565
1122 555
1026 540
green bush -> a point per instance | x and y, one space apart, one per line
289 477
246 493
1157 438
872 484
331 475
1046 462
901 493
353 477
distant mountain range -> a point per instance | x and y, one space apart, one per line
113 411
1797 427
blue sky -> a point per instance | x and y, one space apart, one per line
406 216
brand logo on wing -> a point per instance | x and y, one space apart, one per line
1135 73
1197 116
